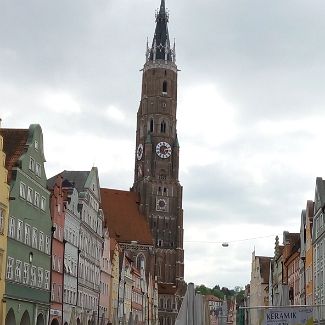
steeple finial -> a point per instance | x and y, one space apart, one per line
162 7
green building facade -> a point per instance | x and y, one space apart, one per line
28 264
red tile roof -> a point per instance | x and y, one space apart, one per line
122 216
212 298
14 145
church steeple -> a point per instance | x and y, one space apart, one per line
160 49
156 168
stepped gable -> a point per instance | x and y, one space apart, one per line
14 145
122 216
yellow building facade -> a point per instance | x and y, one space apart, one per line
4 211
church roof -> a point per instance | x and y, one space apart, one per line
14 145
122 216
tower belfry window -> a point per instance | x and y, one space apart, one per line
164 90
151 125
163 127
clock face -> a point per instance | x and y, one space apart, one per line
163 149
162 204
139 151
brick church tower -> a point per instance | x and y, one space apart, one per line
157 166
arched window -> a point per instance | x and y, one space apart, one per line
165 87
163 127
140 262
151 125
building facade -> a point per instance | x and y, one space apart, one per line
58 216
131 230
105 281
157 164
280 293
71 252
319 244
259 296
115 262
28 268
89 242
309 279
4 210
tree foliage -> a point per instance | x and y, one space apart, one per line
222 293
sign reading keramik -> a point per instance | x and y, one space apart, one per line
289 316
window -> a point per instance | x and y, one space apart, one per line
164 90
40 277
2 220
37 199
163 127
41 241
36 144
12 226
43 202
38 170
30 194
27 234
151 125
31 164
59 264
47 245
10 263
47 280
34 240
52 291
18 271
20 230
33 276
26 273
53 262
22 190
59 293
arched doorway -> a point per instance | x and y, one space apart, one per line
10 318
40 320
55 322
25 320
65 323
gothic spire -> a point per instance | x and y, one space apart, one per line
160 49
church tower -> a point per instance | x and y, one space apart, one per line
157 166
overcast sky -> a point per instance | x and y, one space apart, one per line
250 109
